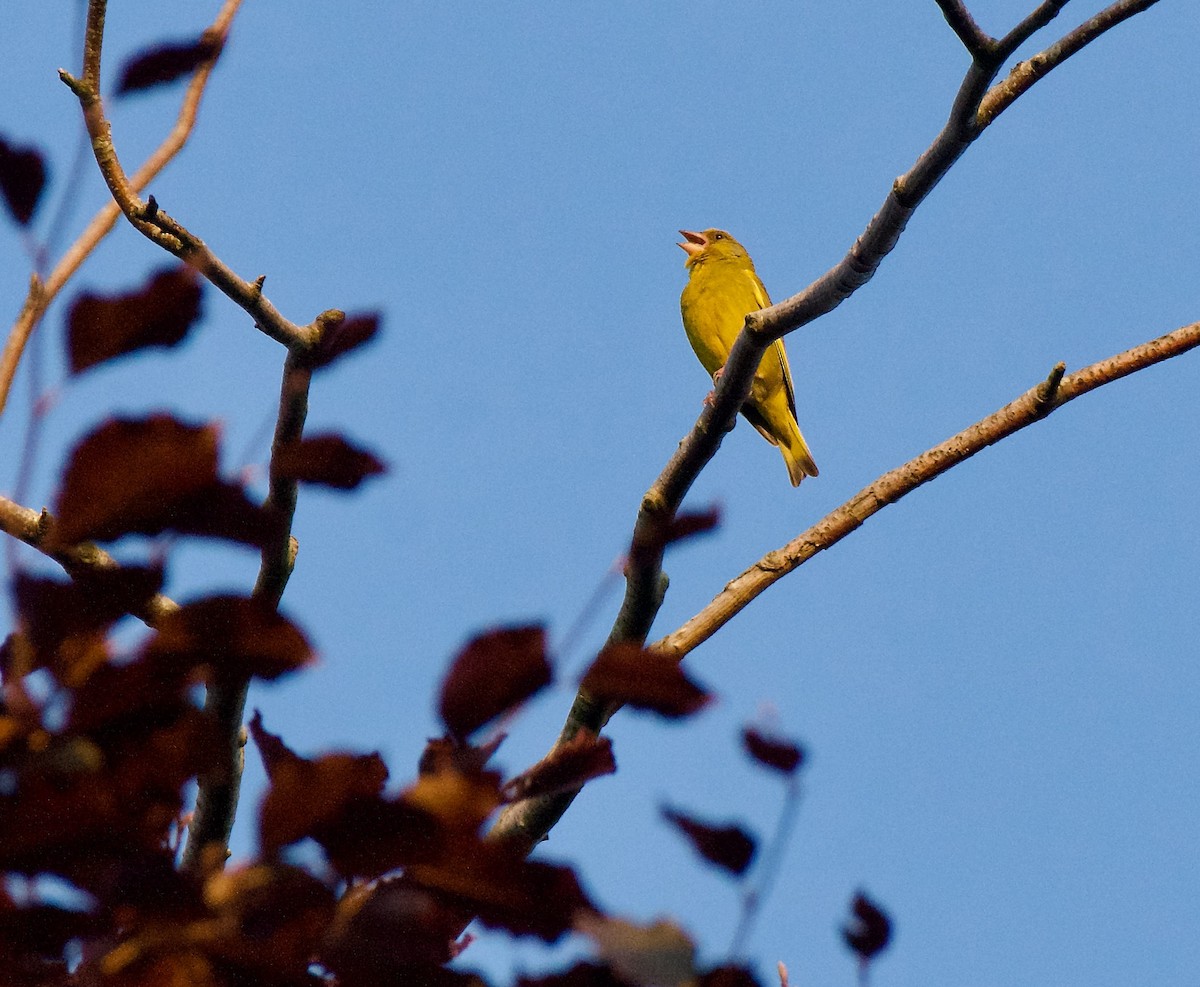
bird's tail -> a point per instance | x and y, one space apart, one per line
795 453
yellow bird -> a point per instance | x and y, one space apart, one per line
722 290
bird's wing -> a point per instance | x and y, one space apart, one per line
776 351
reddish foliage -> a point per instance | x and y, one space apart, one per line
503 889
579 975
22 179
325 459
869 929
567 767
775 753
728 976
349 334
165 63
100 328
66 623
231 635
729 847
147 476
627 674
664 531
493 673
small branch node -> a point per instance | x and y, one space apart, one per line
257 284
80 88
150 209
1047 390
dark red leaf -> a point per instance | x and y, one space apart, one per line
80 803
236 635
325 459
146 476
305 795
728 976
274 752
349 334
43 930
626 674
505 890
869 929
579 975
661 532
268 917
22 178
582 758
101 327
729 847
461 800
491 675
773 752
166 63
445 753
392 932
372 835
66 622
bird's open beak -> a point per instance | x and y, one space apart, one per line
695 242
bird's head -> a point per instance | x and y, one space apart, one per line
711 245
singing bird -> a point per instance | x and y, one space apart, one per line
722 290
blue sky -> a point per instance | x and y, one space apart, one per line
995 678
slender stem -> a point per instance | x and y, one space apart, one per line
42 294
33 529
1031 407
153 222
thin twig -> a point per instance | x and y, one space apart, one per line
1031 407
225 701
974 39
152 221
78 560
1024 74
768 867
42 294
1038 19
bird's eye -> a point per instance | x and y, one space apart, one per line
718 236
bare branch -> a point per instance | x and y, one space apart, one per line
974 39
1029 408
1043 15
42 294
1024 74
33 529
149 219
225 700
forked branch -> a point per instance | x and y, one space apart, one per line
150 220
41 294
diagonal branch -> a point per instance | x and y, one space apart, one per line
1030 407
150 220
974 39
41 294
1038 19
33 529
1025 74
